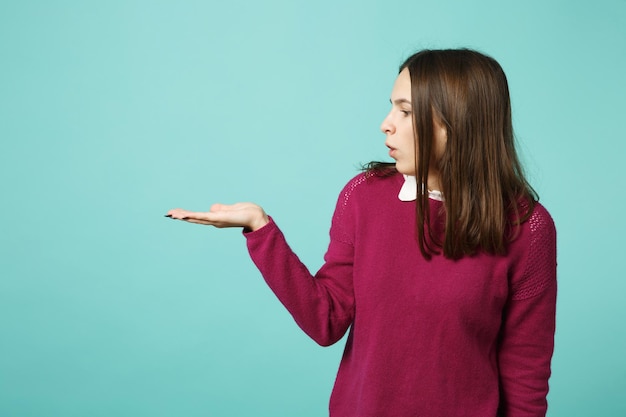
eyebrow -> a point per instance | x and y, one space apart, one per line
399 101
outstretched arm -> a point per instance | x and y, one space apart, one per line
247 215
321 304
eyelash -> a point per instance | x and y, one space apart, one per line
405 112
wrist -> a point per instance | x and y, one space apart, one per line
259 221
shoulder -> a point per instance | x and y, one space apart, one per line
531 221
541 216
354 183
540 224
366 183
364 194
538 245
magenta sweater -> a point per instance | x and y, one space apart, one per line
440 338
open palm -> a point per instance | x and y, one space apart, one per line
248 215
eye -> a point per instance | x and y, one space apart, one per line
405 112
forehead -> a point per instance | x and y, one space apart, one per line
402 86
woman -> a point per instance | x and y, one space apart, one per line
443 266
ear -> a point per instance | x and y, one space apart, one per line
441 133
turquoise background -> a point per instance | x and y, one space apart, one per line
113 112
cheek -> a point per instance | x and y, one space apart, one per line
407 164
409 142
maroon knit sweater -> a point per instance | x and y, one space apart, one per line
440 338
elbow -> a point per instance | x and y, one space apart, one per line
327 335
326 339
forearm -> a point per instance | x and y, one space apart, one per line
322 305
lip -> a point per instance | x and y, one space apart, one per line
392 151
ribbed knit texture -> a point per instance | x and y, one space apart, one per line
439 338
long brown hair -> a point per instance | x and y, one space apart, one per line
485 192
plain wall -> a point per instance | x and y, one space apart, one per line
111 113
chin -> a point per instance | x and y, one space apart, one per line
405 170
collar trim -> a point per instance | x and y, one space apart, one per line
408 192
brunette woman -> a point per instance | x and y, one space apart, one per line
441 265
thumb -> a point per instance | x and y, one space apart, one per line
216 207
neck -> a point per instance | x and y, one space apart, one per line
433 181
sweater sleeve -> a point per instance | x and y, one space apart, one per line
321 304
527 334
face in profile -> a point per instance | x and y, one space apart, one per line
398 125
399 132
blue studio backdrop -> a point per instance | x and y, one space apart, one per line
113 112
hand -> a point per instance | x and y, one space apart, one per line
247 215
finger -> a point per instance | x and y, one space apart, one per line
196 221
177 213
198 215
216 207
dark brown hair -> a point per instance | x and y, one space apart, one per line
485 192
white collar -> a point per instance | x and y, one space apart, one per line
408 192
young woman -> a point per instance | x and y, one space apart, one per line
442 265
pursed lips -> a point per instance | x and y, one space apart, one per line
392 150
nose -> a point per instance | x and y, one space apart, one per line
387 126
